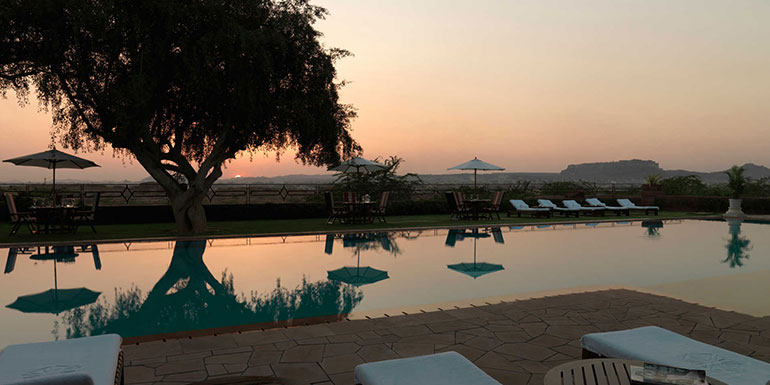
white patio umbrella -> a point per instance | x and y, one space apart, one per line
358 164
476 164
52 159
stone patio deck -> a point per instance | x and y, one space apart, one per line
514 342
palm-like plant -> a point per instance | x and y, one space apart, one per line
653 179
736 181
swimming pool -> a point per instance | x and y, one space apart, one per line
166 287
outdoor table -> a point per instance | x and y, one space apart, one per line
597 371
360 212
476 206
53 219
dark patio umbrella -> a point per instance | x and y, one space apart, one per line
476 164
55 300
358 276
475 269
52 159
358 165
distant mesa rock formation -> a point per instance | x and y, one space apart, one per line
621 171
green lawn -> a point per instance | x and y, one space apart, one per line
257 227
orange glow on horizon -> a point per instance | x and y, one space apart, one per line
528 85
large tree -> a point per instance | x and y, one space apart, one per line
182 85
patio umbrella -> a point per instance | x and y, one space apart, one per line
357 276
52 159
358 165
475 269
476 164
55 300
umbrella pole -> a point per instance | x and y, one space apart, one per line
54 183
474 178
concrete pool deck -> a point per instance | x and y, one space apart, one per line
515 342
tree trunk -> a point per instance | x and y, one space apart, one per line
189 214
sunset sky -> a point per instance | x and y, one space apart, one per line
528 85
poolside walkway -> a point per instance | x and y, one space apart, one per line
514 342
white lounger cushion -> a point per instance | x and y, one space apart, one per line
70 362
448 368
520 205
552 206
661 346
631 205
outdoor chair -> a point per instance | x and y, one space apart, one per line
349 197
96 360
335 212
455 211
379 211
595 202
463 211
573 204
521 207
86 217
626 203
561 210
494 205
448 368
657 345
19 218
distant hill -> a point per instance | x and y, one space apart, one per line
623 171
635 171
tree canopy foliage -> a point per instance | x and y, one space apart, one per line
182 86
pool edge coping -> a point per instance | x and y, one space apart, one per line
343 231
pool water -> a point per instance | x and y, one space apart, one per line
154 288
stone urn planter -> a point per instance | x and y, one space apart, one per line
734 211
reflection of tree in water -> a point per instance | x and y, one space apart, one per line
737 250
372 241
188 297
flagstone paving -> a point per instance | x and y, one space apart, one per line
514 342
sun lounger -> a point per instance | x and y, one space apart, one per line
595 202
521 207
94 360
449 368
561 210
656 345
572 204
631 206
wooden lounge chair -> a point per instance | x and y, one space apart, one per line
556 209
573 204
595 202
19 218
379 211
657 345
448 368
494 205
626 203
86 217
521 207
335 212
96 360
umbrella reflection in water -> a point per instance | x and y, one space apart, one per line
358 275
474 269
55 300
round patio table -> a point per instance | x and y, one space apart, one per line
604 371
360 212
476 206
53 219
